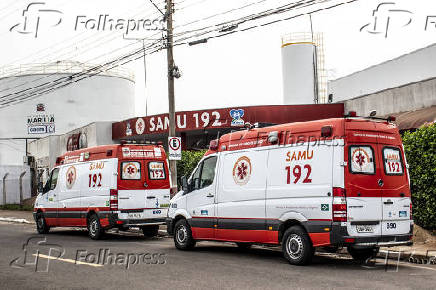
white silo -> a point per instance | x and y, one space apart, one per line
108 96
303 66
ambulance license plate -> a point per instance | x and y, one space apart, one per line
135 215
365 229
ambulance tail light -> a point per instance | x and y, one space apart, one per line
113 199
326 131
213 145
339 207
352 114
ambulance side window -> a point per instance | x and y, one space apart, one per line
393 161
195 180
361 159
131 170
53 180
208 172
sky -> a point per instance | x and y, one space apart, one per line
240 69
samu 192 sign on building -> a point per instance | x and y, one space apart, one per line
41 122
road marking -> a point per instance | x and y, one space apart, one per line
68 260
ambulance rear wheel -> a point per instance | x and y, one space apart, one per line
183 236
362 255
95 231
296 246
41 225
150 231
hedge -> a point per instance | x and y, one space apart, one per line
188 163
420 148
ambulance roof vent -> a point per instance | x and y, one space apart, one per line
248 125
273 137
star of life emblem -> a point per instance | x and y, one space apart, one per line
242 170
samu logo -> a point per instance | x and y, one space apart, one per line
237 117
34 16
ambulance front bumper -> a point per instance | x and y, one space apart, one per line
170 225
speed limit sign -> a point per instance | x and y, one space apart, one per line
175 148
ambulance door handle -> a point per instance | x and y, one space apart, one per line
210 195
151 197
389 202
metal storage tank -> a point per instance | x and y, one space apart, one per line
303 66
109 96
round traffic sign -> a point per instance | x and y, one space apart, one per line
175 143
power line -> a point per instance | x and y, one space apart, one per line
47 76
220 14
63 79
132 56
69 45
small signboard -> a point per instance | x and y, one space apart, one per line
175 148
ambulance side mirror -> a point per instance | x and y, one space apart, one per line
196 183
40 187
184 183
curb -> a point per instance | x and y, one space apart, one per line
15 220
415 258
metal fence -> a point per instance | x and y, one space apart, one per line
15 184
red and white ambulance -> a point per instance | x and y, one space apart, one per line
330 183
105 187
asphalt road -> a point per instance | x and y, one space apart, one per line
156 264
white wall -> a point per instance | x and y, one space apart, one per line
413 67
411 97
13 184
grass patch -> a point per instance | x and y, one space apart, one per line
16 207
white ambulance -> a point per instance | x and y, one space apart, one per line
329 183
104 187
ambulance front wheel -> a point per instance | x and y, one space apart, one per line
296 246
41 225
150 231
183 236
95 231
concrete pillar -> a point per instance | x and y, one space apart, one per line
21 187
4 188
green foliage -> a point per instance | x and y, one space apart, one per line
420 148
16 207
188 163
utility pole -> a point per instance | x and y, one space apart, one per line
145 79
171 72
